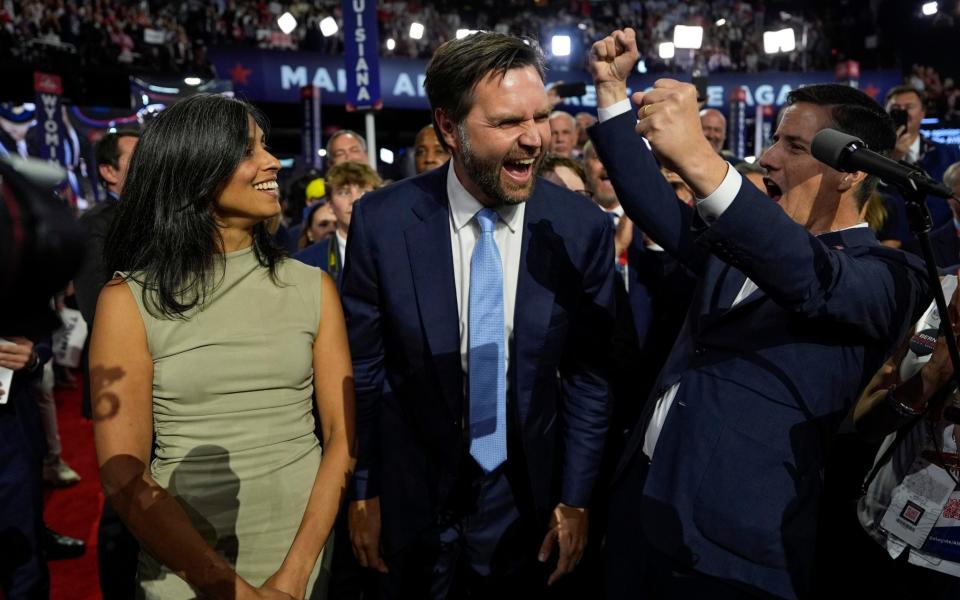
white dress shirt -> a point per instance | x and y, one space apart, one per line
913 152
464 232
710 209
342 247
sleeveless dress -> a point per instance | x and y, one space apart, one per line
232 421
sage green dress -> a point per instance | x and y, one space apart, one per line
234 432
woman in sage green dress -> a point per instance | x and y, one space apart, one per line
206 352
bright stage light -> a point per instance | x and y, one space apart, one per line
784 40
391 43
929 8
286 23
560 45
667 50
688 36
328 26
416 30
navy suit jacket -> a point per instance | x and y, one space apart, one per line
400 304
734 485
934 160
325 255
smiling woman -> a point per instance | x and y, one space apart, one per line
215 346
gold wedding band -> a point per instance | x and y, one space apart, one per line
643 111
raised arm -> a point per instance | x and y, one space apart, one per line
333 387
647 198
121 373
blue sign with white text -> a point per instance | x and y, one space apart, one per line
274 76
361 54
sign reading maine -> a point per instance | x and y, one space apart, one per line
265 76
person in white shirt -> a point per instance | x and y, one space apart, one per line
480 308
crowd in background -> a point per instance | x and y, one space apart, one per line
174 36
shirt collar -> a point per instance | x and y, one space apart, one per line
860 225
616 211
463 206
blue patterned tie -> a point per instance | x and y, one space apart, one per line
488 397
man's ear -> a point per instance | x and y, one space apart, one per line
448 129
109 174
850 180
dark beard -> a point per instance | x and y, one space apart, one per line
486 174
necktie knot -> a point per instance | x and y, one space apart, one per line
487 218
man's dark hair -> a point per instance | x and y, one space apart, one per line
165 235
107 151
905 89
459 65
856 114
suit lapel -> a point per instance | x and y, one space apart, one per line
431 261
536 283
728 288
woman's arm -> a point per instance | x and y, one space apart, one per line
121 382
333 387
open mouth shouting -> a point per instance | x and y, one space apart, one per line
519 170
773 190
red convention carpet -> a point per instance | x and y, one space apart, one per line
75 510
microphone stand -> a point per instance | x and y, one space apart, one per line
921 223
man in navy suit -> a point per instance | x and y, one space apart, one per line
480 307
796 307
913 148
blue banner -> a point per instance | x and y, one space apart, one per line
273 76
361 54
50 130
310 99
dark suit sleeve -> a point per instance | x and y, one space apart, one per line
360 295
647 198
874 289
585 373
91 277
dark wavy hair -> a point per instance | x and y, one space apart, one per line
165 236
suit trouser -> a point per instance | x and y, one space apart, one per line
489 553
23 568
635 569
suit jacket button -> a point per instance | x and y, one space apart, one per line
700 351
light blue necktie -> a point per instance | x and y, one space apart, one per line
488 397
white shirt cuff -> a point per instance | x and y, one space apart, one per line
614 110
711 207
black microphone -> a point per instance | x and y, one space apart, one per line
846 153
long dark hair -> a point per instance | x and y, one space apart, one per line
165 236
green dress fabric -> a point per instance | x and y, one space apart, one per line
232 421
